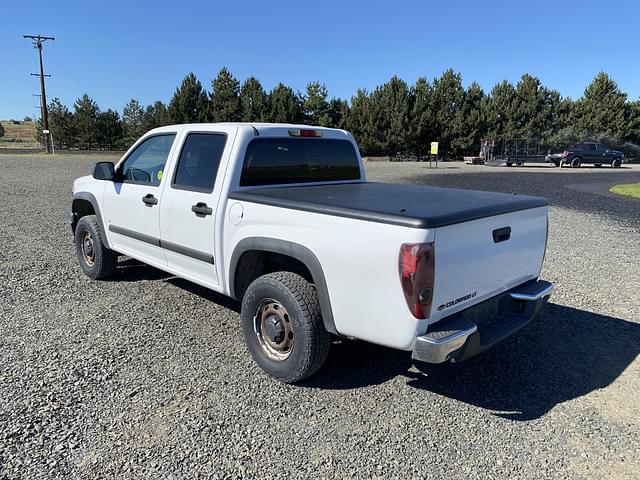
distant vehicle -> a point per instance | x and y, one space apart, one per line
587 152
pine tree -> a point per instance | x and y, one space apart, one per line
132 122
61 124
338 111
155 115
391 107
359 122
634 124
283 105
447 102
499 111
315 105
85 119
109 130
601 111
225 100
528 108
422 129
189 103
253 100
473 127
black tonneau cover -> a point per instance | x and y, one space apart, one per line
413 206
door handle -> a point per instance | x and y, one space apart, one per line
201 209
149 200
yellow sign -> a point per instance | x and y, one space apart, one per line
434 148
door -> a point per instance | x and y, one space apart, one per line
132 202
590 153
602 154
189 203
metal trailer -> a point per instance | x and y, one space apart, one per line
518 151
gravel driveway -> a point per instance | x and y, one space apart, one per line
146 376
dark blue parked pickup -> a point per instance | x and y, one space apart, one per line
587 152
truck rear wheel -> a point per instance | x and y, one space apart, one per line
96 260
575 162
282 326
616 163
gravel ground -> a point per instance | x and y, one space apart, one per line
147 375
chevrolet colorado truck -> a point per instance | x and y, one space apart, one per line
282 218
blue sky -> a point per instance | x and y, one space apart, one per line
116 50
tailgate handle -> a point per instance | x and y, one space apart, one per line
501 234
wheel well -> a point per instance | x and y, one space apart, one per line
80 208
255 263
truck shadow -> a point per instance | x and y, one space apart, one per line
567 353
131 270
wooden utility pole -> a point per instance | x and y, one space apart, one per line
44 114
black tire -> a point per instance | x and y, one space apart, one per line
96 260
519 163
597 165
576 162
557 164
509 164
298 299
616 163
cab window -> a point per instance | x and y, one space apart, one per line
199 161
145 165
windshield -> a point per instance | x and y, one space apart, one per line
273 161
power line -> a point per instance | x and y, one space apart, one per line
38 40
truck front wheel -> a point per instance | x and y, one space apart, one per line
96 260
282 326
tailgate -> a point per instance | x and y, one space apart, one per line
479 259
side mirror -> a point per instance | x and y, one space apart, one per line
104 171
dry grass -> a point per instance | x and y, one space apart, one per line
22 135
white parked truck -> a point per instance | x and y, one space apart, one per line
282 218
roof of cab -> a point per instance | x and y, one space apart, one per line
259 126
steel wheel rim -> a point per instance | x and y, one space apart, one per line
88 248
273 329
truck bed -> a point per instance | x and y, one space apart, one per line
414 206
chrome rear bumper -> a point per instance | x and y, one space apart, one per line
478 328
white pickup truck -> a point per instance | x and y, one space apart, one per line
282 218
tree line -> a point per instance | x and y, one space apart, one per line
394 118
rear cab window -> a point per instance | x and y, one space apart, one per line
287 160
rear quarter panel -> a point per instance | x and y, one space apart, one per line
360 264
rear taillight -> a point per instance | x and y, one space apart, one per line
416 265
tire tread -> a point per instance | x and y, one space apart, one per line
316 349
